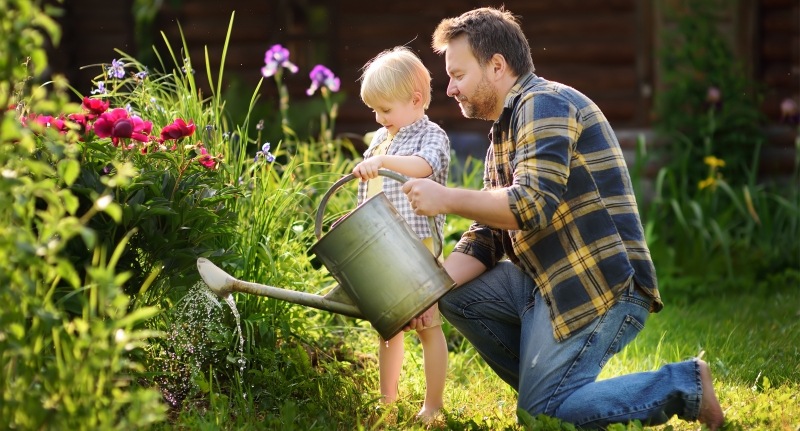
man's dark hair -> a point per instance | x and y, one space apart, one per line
489 31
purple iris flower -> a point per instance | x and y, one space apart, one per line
275 58
101 88
265 153
322 76
117 69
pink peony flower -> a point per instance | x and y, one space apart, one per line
177 130
51 122
118 124
206 159
94 107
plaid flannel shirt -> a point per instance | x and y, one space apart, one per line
422 138
580 237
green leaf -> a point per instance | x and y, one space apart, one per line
136 316
68 170
67 272
114 211
11 128
89 237
71 202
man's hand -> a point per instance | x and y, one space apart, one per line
427 197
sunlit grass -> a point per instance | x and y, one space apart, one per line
752 343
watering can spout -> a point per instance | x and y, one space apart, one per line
215 278
223 284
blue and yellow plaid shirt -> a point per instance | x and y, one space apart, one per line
580 236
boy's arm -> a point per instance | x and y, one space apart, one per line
410 166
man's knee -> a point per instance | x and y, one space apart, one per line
446 305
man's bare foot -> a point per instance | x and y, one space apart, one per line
710 411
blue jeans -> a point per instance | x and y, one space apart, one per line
505 317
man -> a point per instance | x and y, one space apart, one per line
579 282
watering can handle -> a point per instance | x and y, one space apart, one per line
437 240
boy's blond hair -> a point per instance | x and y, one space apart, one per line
394 75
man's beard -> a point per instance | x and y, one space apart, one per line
482 103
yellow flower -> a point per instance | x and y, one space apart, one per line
714 162
708 182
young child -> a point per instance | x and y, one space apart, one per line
397 87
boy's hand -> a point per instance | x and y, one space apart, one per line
422 321
368 169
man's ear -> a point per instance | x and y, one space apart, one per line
498 66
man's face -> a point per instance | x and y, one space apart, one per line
469 83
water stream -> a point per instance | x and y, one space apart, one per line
241 361
196 325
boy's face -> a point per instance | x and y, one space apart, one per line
397 114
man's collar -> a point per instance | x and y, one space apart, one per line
519 86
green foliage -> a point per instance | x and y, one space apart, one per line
26 27
720 237
61 369
708 106
712 226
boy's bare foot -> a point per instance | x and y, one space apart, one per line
426 415
710 411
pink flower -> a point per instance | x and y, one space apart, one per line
118 124
49 121
714 97
177 130
95 107
206 159
82 120
789 112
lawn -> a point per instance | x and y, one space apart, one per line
751 341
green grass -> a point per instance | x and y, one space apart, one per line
752 343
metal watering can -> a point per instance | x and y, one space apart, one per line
386 274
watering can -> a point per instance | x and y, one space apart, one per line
385 273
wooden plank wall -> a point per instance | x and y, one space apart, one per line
778 51
590 44
778 54
91 32
605 48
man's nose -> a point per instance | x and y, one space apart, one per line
451 89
